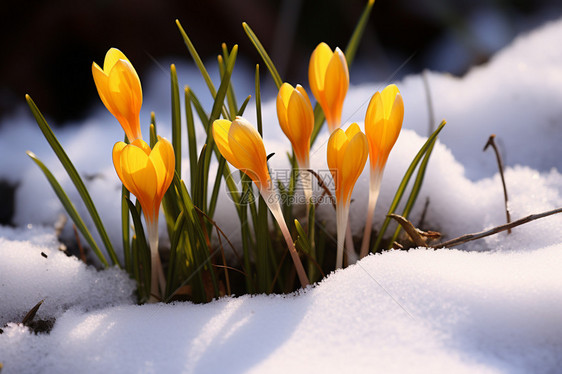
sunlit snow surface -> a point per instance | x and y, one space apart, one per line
491 306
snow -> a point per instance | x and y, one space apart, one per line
489 306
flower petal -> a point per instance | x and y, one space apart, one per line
247 147
317 67
111 57
221 129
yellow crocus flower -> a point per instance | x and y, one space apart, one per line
242 146
328 76
347 155
296 118
383 123
120 91
147 174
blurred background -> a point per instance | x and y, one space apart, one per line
48 46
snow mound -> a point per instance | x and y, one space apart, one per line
32 268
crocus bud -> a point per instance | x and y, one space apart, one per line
328 76
120 91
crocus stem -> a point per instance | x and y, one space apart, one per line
157 280
306 178
374 189
342 215
273 204
349 247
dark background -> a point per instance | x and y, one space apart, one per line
48 46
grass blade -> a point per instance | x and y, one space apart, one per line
176 117
143 253
261 50
70 209
191 138
258 100
215 112
415 188
126 234
243 107
353 43
404 183
199 63
74 176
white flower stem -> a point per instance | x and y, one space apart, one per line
349 247
272 202
157 280
342 215
374 189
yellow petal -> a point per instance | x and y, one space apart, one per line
388 96
221 128
329 80
140 175
347 154
111 57
354 161
102 85
282 103
120 90
383 122
247 147
117 150
163 159
300 117
335 151
317 67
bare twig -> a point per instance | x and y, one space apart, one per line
80 248
495 230
424 212
410 229
324 187
492 143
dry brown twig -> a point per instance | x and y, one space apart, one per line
417 238
491 142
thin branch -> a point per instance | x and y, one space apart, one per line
410 229
492 143
495 230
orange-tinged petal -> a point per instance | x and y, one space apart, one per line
242 146
146 173
221 129
347 154
282 103
354 161
163 159
388 96
328 76
120 91
117 150
301 122
296 118
383 122
247 146
140 174
318 65
111 57
102 85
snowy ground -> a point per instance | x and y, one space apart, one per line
491 306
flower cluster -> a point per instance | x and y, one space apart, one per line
144 171
147 172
